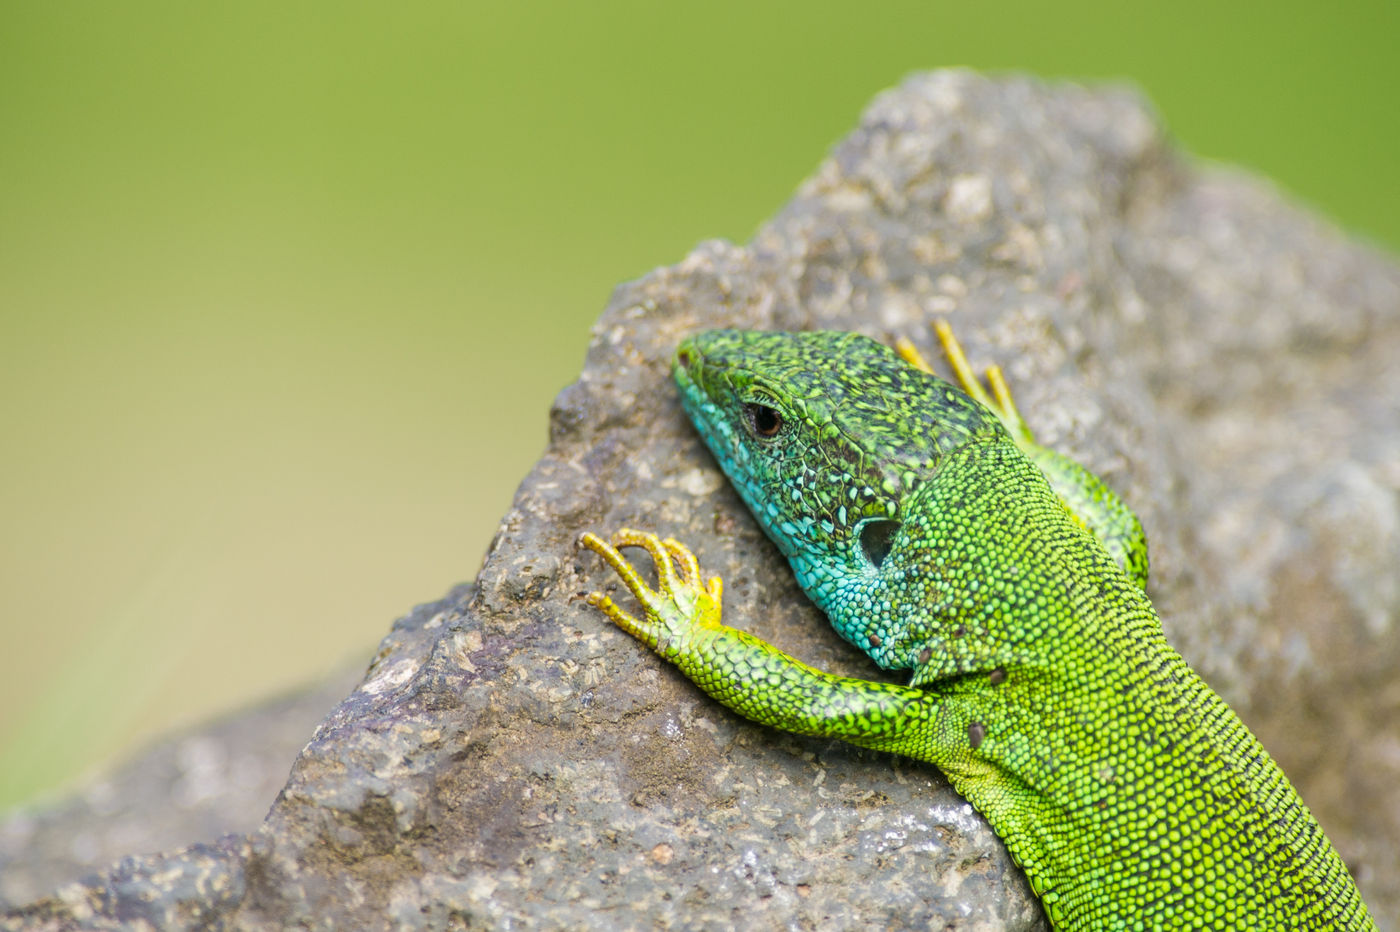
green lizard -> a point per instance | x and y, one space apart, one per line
921 521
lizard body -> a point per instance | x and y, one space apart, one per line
921 521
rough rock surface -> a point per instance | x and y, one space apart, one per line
1225 360
217 780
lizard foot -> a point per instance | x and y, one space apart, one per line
678 608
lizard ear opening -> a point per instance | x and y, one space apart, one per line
876 538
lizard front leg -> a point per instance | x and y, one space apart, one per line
1088 498
681 622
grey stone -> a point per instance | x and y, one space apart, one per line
1225 360
217 780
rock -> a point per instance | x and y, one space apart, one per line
1222 358
215 781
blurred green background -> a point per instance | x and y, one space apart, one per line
286 289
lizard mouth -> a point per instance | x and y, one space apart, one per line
702 394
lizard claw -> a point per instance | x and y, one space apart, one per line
679 605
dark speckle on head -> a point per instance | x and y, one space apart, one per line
976 734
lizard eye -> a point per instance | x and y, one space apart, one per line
763 421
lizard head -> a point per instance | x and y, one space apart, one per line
823 434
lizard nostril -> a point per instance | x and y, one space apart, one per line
683 359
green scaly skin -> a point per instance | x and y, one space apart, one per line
1041 682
